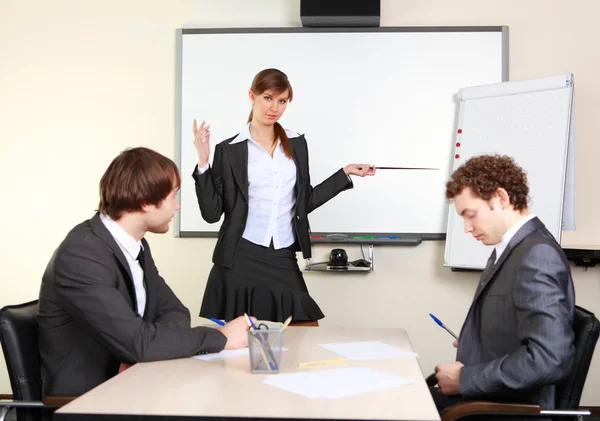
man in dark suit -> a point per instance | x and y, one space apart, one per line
102 301
517 340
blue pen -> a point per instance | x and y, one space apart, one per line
439 322
217 321
263 344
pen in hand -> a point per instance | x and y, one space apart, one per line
439 322
217 321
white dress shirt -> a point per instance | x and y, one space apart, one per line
508 235
130 249
271 200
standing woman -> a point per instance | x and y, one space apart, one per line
260 180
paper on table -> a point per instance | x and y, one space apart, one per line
338 383
228 353
367 350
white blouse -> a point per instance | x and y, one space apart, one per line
271 198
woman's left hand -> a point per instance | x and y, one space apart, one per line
360 169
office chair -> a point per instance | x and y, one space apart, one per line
19 338
587 328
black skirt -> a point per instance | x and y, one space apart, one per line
263 282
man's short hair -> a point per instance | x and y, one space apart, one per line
487 173
137 177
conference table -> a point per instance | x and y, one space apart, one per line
225 389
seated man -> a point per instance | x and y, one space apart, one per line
517 340
102 301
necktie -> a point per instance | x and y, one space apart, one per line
140 258
489 264
486 271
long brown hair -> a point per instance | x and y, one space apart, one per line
137 177
278 81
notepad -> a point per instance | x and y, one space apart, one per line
336 383
225 354
367 350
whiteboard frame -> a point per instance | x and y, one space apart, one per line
326 237
566 197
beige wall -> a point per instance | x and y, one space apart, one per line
82 80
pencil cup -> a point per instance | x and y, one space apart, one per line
265 350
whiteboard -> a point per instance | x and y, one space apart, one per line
383 96
531 121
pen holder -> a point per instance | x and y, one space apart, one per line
265 350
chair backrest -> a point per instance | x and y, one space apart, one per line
587 328
19 338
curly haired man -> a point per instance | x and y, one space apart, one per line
517 341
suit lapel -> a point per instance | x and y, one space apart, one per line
238 158
529 227
488 274
294 146
100 230
295 152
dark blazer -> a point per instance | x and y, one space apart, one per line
88 322
517 341
223 188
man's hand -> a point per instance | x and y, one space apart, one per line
448 376
236 332
455 343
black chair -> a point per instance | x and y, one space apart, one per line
19 338
587 328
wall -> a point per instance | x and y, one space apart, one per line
82 80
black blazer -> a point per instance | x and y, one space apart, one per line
223 188
88 322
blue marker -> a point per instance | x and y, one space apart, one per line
439 322
389 237
217 321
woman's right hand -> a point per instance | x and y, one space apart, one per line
202 143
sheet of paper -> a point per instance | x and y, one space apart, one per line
336 383
367 350
228 353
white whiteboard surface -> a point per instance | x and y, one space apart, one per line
385 96
531 121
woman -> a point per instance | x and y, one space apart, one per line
260 180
